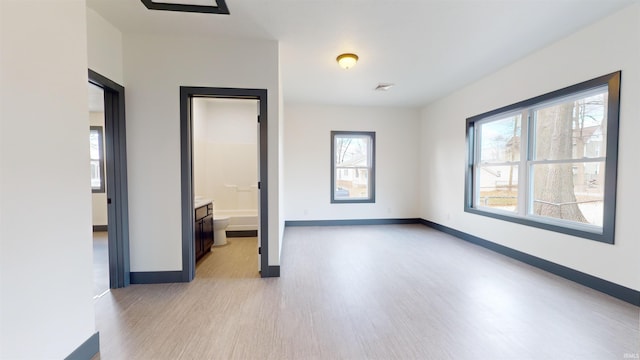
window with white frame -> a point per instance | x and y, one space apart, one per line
352 167
550 161
96 153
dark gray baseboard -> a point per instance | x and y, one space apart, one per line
99 228
164 277
618 291
156 277
351 222
242 233
272 271
87 349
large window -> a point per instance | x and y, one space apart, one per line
550 161
352 167
96 152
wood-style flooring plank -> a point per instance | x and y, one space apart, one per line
100 263
366 292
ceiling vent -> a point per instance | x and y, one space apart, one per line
384 87
197 6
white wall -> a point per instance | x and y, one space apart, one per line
104 53
281 158
104 47
98 200
225 152
604 47
46 273
308 159
155 67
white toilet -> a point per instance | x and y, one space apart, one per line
220 224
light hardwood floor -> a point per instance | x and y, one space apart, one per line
100 263
237 259
377 292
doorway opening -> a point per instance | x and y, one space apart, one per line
110 180
101 282
225 174
187 108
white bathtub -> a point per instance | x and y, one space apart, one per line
240 220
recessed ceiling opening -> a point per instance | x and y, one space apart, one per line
188 2
197 6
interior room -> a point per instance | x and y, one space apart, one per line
435 179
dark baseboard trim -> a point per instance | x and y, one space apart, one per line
242 233
87 349
618 291
156 277
272 271
350 222
99 228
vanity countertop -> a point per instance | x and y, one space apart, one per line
201 202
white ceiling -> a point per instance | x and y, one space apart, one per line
428 48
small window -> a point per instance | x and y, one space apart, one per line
96 151
550 161
352 167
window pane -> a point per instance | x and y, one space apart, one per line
572 128
500 140
353 175
567 147
352 183
352 151
571 191
94 144
498 187
96 155
95 174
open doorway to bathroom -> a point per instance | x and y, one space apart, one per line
231 192
225 173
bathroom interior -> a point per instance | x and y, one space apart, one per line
225 177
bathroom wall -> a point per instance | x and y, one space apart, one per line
225 158
606 46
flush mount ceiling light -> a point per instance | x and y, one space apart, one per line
197 6
347 60
384 86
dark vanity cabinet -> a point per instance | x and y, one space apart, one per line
203 230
